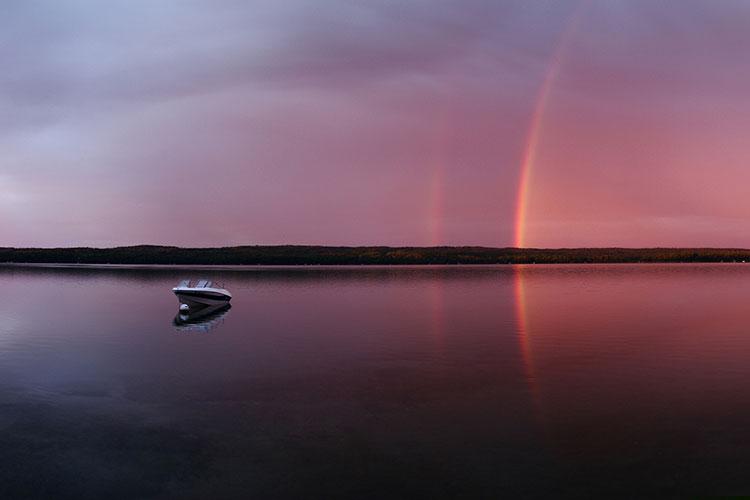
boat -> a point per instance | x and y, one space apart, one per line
203 293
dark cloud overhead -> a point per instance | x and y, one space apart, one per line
362 122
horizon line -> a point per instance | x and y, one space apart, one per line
309 245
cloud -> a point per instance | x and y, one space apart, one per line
328 121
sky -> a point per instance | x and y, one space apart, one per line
424 122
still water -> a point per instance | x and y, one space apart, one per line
377 382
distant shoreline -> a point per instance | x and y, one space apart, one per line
297 255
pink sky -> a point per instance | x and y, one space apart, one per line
355 123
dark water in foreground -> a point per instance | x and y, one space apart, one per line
377 382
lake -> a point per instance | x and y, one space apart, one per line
388 382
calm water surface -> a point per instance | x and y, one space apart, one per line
377 382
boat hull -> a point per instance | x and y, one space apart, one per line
196 299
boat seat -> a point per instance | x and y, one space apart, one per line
202 284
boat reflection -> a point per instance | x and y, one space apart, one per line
201 320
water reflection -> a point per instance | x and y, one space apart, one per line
400 382
202 319
639 374
524 338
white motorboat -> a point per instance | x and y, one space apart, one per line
203 293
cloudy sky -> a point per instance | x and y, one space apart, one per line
212 123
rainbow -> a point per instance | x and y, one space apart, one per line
436 208
534 133
436 192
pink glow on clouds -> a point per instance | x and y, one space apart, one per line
222 123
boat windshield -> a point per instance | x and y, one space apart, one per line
199 284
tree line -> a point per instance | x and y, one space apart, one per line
324 255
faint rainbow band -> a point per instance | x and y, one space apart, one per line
536 124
